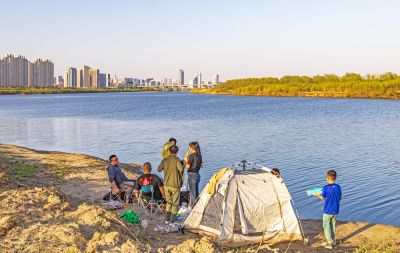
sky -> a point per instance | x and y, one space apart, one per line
232 38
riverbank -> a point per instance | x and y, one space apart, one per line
50 202
386 86
31 90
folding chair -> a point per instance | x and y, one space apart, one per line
128 196
117 196
151 207
124 195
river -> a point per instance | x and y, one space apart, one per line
304 137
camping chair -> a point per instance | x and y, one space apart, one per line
124 195
128 196
151 207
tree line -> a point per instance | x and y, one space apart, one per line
385 85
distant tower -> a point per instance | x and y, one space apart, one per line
199 80
86 76
70 78
94 78
41 73
66 78
181 78
14 71
215 79
79 78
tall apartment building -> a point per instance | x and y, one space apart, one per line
94 78
102 80
181 78
86 77
70 78
41 73
215 79
13 71
108 80
66 79
79 78
58 80
196 81
200 81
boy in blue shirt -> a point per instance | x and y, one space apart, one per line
332 194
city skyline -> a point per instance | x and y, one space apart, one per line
237 39
18 71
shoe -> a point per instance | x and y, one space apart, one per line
174 224
326 245
166 222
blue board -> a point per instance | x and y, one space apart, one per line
312 191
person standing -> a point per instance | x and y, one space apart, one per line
173 179
165 149
193 164
332 194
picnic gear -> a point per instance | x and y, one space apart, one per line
130 217
312 191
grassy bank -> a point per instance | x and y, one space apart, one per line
350 85
31 90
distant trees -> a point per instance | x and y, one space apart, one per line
385 85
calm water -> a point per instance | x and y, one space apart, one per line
302 136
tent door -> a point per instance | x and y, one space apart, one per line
243 225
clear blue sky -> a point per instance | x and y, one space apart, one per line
248 38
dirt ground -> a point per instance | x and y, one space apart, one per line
51 202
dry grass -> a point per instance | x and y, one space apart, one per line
382 243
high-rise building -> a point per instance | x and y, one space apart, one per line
94 78
152 83
215 79
70 78
58 80
102 81
13 71
86 77
181 78
66 79
41 73
196 81
108 80
79 78
200 80
2 72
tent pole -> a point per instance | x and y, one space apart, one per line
298 219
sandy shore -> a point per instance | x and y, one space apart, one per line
51 202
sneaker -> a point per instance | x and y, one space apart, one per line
326 245
174 224
166 222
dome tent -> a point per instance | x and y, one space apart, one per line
243 206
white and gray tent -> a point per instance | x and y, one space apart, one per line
242 206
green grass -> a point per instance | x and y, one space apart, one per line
23 169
